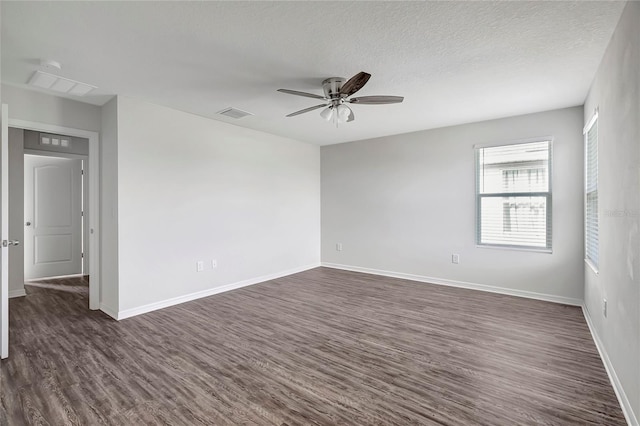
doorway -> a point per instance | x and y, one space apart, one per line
48 192
5 206
49 253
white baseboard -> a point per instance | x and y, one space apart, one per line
128 313
17 293
613 377
461 284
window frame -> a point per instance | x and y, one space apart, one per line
548 195
593 264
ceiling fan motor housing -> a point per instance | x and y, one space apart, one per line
332 86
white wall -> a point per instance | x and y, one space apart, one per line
616 92
109 281
16 212
43 108
191 188
406 203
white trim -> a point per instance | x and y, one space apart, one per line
592 120
515 248
514 142
17 293
4 232
461 284
592 266
55 154
94 195
127 313
627 410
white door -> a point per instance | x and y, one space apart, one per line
53 216
4 232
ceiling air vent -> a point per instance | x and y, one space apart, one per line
44 80
234 113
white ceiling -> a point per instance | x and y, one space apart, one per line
455 62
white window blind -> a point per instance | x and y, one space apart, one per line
591 193
513 189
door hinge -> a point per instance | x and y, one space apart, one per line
82 214
81 172
81 254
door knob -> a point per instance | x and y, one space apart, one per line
6 243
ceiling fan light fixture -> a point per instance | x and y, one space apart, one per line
343 113
327 113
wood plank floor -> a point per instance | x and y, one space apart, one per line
322 347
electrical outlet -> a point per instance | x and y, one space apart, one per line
604 307
455 258
214 264
199 266
339 246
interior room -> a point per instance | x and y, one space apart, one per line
312 212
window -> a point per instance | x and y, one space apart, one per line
513 191
591 193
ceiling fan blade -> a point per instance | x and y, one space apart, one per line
354 84
302 111
377 100
305 94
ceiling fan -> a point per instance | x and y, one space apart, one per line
337 92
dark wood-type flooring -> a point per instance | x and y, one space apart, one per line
322 347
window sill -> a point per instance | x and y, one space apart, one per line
515 248
592 266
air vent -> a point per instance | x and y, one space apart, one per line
54 140
234 113
44 80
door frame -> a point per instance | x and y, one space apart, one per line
94 196
4 232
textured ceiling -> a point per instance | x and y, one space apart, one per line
455 62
